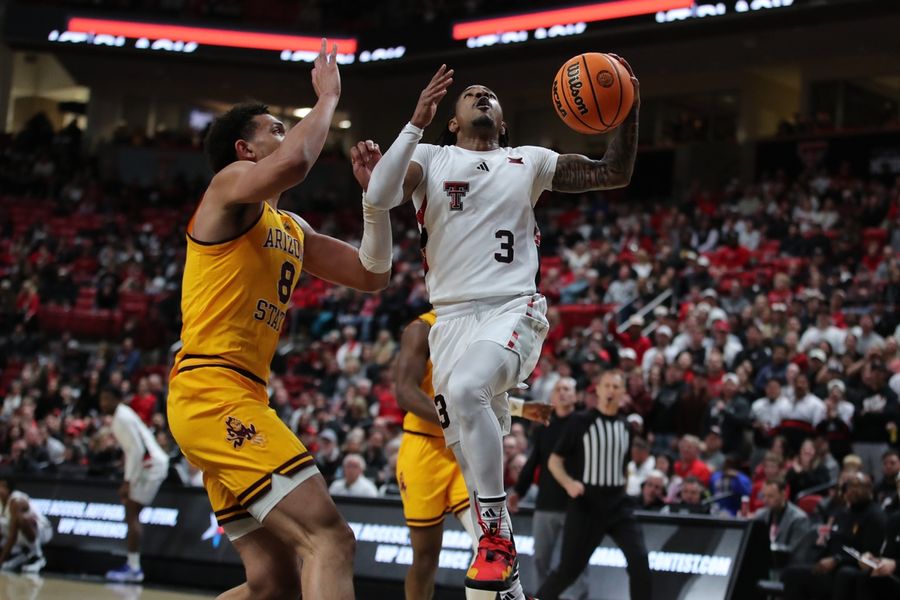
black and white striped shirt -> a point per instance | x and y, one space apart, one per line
596 449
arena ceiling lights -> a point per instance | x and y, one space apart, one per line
557 22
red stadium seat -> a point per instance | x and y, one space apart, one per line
874 234
809 503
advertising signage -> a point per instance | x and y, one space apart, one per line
690 557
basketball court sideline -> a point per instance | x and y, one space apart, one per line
35 587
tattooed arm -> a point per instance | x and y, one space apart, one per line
577 173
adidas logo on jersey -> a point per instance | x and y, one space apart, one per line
483 167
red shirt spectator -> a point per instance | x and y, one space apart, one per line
690 464
697 469
143 404
632 338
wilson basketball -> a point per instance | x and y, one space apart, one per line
592 93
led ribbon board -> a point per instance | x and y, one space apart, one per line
161 36
548 19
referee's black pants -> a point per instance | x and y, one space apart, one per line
588 519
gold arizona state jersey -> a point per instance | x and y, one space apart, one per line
235 295
412 422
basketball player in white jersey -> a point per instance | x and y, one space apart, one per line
146 466
24 530
474 199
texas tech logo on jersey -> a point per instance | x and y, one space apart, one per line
456 190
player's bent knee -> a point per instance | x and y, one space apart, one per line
268 586
468 395
334 542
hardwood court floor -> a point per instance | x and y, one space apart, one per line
31 587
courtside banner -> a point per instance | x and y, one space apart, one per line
87 515
690 557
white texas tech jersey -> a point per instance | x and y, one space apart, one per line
475 212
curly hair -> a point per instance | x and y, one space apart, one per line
236 124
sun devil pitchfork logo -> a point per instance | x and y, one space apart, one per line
237 433
456 190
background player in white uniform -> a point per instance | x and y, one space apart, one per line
24 530
474 200
146 466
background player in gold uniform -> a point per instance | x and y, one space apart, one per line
244 257
431 482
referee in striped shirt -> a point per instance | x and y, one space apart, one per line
589 462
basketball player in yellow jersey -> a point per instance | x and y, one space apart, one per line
431 481
244 257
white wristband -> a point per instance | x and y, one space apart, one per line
516 406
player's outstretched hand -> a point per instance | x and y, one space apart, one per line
364 156
634 80
537 411
326 79
431 96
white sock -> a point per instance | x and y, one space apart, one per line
515 591
480 595
33 546
134 560
493 514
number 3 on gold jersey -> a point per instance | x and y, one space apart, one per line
286 283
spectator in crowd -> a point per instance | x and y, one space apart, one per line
823 330
633 339
353 482
876 417
807 472
835 427
803 413
866 336
689 463
729 486
623 290
767 413
882 581
730 413
786 523
775 369
691 499
328 458
861 527
772 469
825 458
890 469
712 453
663 417
653 491
640 465
663 337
